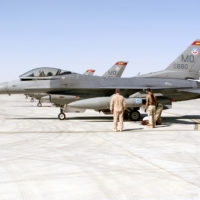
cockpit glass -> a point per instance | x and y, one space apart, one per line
44 72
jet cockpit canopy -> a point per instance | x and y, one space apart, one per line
43 72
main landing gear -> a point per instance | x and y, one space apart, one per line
61 115
133 114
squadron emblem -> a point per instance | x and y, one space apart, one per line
195 51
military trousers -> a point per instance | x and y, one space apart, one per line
158 113
118 115
151 114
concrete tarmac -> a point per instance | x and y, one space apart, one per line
81 158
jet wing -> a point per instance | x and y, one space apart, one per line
144 88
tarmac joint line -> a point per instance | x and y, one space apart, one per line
133 155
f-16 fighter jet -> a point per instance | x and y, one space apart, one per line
115 71
62 100
82 87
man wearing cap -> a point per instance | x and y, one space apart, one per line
151 108
117 107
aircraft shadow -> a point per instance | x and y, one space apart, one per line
32 118
33 106
132 129
100 118
95 119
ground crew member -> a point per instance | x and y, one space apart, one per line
151 108
117 107
158 119
159 109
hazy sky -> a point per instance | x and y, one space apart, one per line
80 34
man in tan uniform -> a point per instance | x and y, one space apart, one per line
117 107
151 108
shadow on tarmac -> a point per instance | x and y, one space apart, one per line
166 120
134 129
181 119
33 106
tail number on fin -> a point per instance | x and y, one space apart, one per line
184 59
112 73
181 66
188 58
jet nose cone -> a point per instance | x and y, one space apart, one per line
3 88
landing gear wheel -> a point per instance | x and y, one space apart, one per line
134 115
61 116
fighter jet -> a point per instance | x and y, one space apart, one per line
115 71
60 99
80 87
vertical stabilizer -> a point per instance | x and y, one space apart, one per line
185 66
188 60
116 70
90 72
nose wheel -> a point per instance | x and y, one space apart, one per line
62 115
39 104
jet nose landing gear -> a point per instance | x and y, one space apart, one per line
62 115
39 104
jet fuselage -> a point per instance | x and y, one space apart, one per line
96 86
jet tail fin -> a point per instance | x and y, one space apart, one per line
188 62
90 72
116 70
185 66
